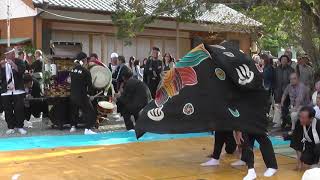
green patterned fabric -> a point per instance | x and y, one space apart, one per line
194 57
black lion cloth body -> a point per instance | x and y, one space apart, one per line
211 88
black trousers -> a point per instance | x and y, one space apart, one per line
153 86
14 110
285 112
88 113
127 115
220 138
1 105
35 109
266 149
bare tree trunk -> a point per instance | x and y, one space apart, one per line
307 32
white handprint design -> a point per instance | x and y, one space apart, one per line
245 75
156 114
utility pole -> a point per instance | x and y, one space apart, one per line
8 22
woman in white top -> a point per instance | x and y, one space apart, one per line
136 71
168 62
315 94
317 106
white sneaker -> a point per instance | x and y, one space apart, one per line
270 172
211 162
10 131
277 125
89 132
27 124
251 175
73 129
22 131
238 163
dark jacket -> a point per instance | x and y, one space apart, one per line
136 95
17 75
282 79
118 76
81 83
152 66
36 66
268 77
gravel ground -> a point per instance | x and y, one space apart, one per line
40 128
112 124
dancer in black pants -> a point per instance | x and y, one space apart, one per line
221 138
247 156
135 96
81 84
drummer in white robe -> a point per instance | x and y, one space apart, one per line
81 83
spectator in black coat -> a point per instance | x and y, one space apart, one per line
152 71
268 72
120 71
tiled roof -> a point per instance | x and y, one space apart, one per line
220 13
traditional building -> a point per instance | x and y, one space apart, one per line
89 22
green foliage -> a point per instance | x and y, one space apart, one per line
281 26
131 16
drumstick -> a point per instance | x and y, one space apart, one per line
98 94
94 81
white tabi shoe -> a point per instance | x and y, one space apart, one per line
27 124
10 131
22 131
251 175
73 129
238 163
211 162
270 172
89 132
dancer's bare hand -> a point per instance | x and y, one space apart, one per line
238 137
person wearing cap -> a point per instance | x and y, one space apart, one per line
12 93
305 71
81 85
117 75
113 63
282 79
152 71
305 138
